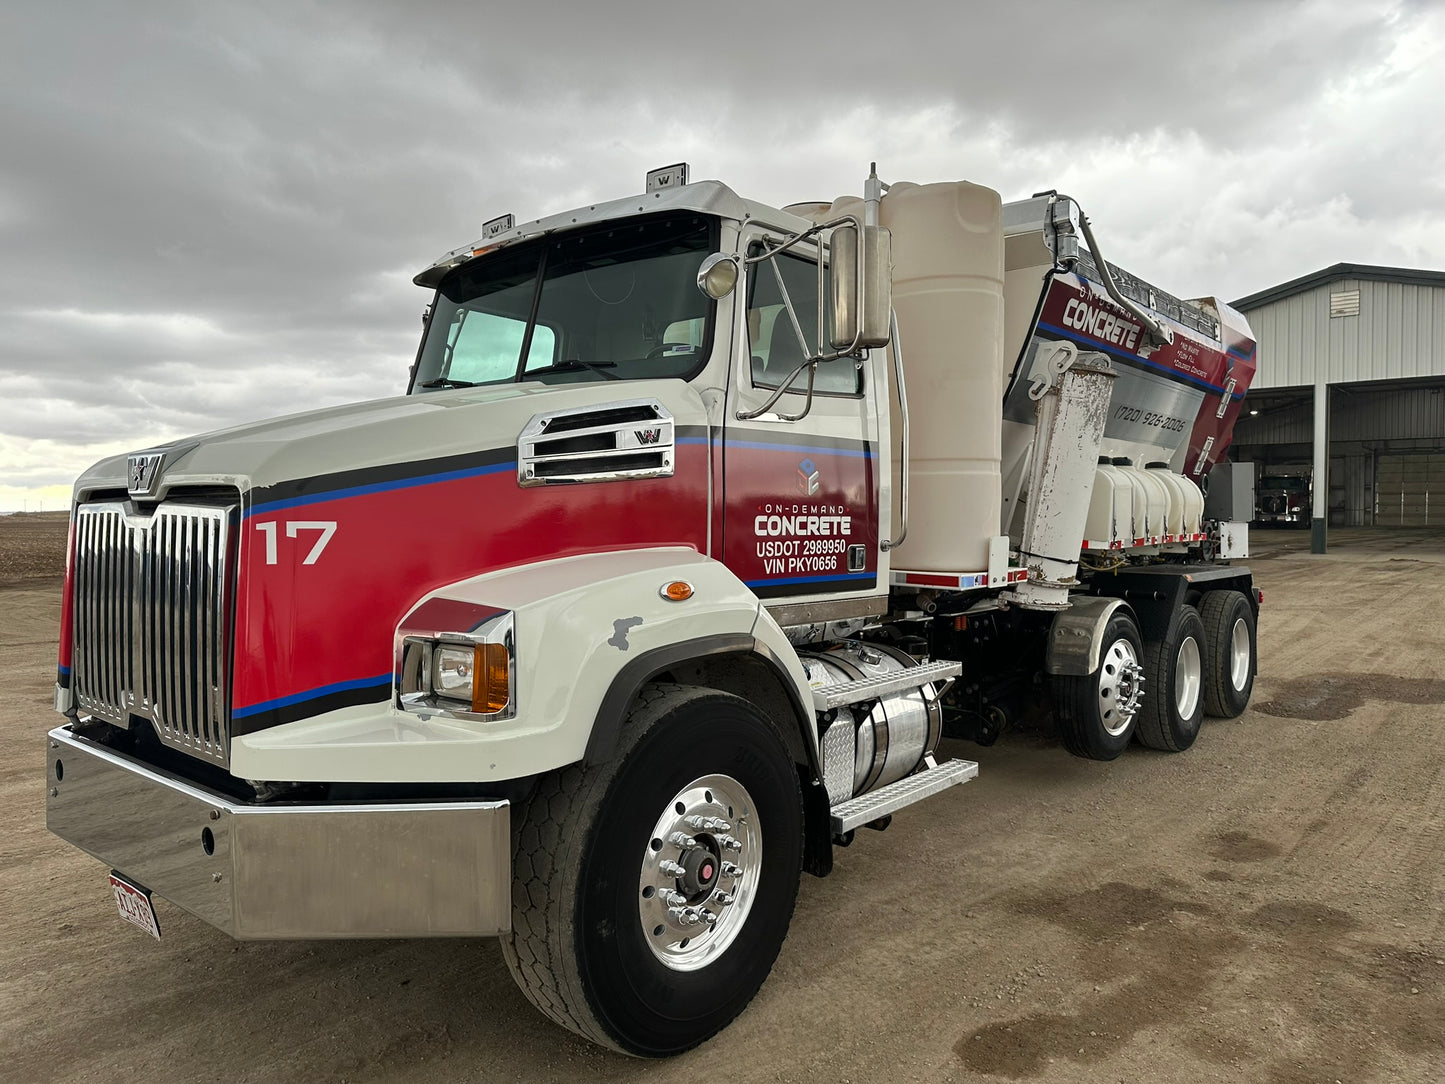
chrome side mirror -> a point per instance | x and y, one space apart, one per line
862 286
718 275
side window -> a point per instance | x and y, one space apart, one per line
484 346
774 343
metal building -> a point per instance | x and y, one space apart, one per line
1350 395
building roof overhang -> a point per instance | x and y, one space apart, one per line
1407 276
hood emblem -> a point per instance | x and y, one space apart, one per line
143 473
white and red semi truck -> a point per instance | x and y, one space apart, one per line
700 523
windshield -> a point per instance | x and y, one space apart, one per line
1282 481
617 302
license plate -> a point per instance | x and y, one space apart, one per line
134 905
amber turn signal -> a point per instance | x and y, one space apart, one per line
491 684
677 591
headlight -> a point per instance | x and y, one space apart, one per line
452 668
459 673
478 674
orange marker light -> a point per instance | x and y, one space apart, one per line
677 591
491 685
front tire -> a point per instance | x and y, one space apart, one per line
1230 661
1096 713
622 930
1174 669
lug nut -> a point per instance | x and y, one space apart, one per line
671 868
709 917
724 898
677 839
730 870
672 899
728 843
684 916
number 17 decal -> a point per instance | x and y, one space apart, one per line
327 527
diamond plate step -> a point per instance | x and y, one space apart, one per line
856 812
851 692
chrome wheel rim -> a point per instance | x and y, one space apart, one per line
1239 655
1188 678
1121 684
700 872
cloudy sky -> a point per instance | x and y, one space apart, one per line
211 213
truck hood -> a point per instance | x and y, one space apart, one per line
358 436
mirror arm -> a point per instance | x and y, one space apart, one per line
792 315
808 402
749 415
798 238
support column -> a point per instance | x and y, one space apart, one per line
1320 478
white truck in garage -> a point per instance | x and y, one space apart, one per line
699 525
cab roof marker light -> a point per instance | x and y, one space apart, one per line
673 176
495 227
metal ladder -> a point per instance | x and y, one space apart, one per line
856 812
875 804
874 688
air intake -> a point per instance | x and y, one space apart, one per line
632 439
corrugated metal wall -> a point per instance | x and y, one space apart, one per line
1399 334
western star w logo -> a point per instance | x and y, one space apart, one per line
648 436
143 471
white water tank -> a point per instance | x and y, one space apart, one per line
1132 528
948 293
1186 502
1174 512
1194 506
1155 523
1111 507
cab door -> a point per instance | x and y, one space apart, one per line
802 498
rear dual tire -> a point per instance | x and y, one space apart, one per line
1174 669
1230 644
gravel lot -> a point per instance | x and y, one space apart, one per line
1269 906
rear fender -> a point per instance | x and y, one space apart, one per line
1076 636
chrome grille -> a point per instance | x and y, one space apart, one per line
152 599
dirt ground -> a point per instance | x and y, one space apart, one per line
1269 906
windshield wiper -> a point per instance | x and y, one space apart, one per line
572 365
448 382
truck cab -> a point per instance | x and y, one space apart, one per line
613 304
1283 498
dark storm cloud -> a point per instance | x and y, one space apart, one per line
210 213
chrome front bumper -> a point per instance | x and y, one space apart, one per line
285 871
